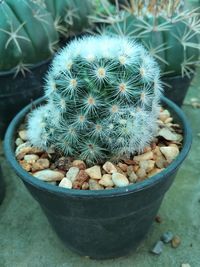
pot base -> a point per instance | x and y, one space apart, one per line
104 239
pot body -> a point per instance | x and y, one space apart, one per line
102 227
2 186
176 87
17 92
101 224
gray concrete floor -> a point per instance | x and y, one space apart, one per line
26 238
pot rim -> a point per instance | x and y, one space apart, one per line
44 186
32 67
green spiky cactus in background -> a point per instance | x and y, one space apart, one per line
27 35
170 33
103 100
70 16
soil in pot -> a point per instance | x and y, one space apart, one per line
17 92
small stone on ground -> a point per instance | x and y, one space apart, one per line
158 248
167 237
176 241
185 265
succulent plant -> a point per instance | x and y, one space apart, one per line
27 34
169 32
103 100
70 16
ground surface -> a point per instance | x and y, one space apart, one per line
26 238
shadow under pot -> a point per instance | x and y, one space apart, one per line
17 92
101 224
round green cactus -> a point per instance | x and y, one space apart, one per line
27 34
103 100
170 34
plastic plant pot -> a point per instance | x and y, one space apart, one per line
176 88
17 92
101 224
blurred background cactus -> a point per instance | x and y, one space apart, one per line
103 100
70 16
29 29
28 39
169 32
27 35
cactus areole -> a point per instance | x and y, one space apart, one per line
27 35
102 100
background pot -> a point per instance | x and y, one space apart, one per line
104 223
176 88
2 187
17 92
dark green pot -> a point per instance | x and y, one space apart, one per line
104 223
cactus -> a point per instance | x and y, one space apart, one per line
170 33
27 35
103 100
70 16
